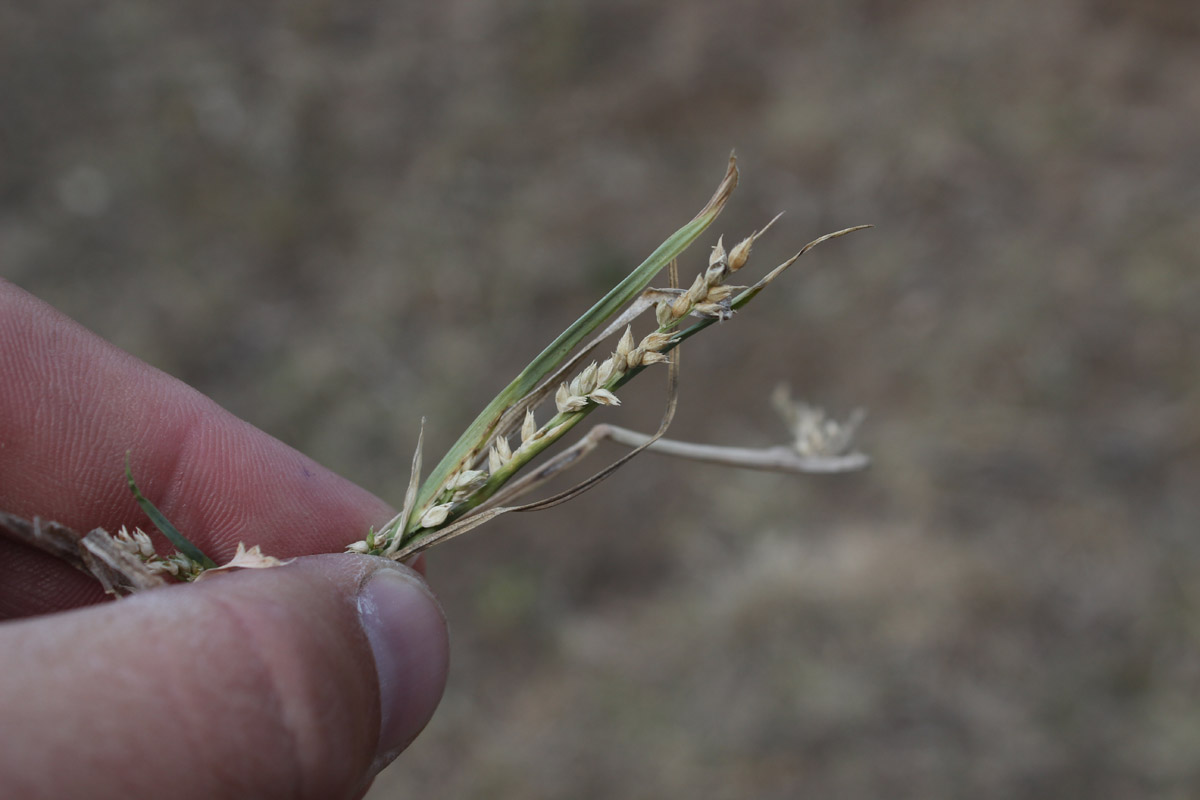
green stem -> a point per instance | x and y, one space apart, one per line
475 437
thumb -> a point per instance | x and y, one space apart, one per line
296 681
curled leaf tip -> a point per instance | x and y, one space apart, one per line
181 542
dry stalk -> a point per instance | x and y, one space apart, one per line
820 446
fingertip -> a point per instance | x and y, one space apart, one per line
406 628
294 681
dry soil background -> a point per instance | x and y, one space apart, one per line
337 217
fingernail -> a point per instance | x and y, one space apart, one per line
407 632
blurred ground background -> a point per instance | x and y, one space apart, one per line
337 217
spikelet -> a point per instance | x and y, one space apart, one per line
529 428
740 254
436 515
625 345
718 266
585 382
604 397
720 311
662 313
566 401
503 449
136 542
655 341
608 369
465 483
469 478
718 293
741 251
718 252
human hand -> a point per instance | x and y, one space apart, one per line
302 680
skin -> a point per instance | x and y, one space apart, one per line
297 681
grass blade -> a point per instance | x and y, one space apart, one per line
395 527
181 542
475 438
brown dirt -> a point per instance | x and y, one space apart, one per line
335 218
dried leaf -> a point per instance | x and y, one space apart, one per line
95 553
246 559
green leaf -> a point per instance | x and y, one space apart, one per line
475 438
163 524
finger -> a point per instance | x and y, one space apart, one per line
72 405
297 681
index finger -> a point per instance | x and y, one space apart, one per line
72 405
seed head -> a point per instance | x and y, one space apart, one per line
566 402
529 427
740 254
718 252
605 373
503 449
662 313
718 293
469 478
741 251
495 462
587 380
720 311
604 397
681 306
436 515
135 542
697 291
625 345
656 341
718 266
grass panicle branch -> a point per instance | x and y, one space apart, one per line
475 479
474 439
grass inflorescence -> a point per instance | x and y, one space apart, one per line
476 475
491 464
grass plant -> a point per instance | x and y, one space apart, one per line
479 477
